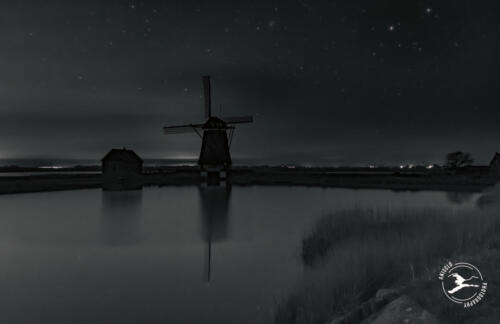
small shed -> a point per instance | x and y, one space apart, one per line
495 164
122 169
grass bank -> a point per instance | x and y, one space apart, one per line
266 176
349 255
425 289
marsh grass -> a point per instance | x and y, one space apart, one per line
351 254
487 258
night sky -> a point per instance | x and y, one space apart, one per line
329 82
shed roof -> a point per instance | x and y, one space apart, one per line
122 154
495 158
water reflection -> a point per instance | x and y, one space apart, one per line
458 198
121 217
215 219
490 199
151 249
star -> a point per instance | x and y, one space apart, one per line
391 28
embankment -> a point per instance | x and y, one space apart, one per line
262 176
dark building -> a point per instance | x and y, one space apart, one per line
121 169
495 164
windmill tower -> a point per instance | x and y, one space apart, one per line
216 134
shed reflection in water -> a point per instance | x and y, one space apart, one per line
121 217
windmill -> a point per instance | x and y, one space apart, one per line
216 134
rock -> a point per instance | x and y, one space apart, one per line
382 297
402 310
386 295
338 320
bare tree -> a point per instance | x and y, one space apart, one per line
458 159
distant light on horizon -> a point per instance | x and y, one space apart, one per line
180 157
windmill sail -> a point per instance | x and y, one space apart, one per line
181 129
207 95
238 120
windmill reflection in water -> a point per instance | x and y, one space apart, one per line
215 219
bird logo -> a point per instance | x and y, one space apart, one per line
462 283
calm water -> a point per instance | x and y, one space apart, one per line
89 256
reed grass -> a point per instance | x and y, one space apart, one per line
351 254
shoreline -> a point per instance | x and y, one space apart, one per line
422 293
430 181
